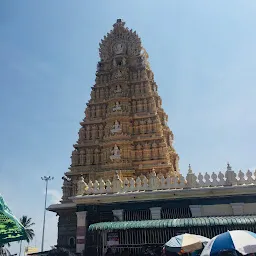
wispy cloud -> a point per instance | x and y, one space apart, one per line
54 196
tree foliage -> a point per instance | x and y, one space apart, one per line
60 252
27 223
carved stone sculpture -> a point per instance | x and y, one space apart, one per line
153 180
81 186
117 183
117 106
118 89
116 127
116 154
75 157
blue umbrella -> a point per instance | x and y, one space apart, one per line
237 240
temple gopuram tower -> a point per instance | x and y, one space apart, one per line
125 127
123 186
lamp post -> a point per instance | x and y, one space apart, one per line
46 179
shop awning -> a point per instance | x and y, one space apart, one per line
175 223
10 227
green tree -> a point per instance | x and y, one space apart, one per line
4 251
27 224
60 252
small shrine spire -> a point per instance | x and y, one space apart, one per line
190 169
119 23
229 168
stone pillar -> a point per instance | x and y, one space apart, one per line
80 231
156 213
119 214
238 208
196 210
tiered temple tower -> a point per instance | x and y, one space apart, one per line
124 166
125 127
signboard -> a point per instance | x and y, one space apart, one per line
29 250
112 239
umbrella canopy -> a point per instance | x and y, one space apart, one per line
186 243
237 240
10 227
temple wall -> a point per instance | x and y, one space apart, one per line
235 209
216 210
250 208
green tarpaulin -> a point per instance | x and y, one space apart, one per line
175 223
10 227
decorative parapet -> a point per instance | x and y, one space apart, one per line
165 182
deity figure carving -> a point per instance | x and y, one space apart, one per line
88 156
144 182
101 131
138 74
81 186
82 157
134 107
138 183
98 110
165 120
75 157
116 154
90 187
170 140
154 151
93 94
118 48
162 180
144 75
93 112
126 184
117 183
81 134
118 74
123 61
96 156
96 187
132 184
139 106
118 89
129 107
145 105
87 112
117 106
88 132
102 186
94 127
108 186
116 127
153 180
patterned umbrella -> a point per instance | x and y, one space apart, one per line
237 240
186 243
10 227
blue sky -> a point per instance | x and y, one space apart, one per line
203 56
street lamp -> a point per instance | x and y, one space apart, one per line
46 179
